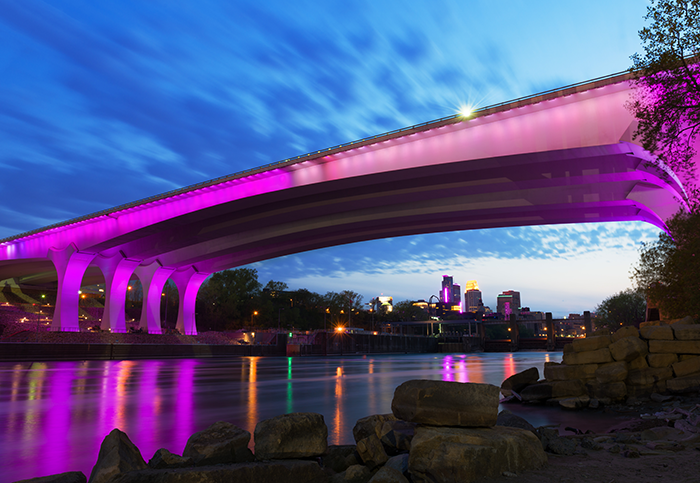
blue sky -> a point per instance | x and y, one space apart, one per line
105 102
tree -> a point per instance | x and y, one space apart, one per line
666 98
624 308
668 271
406 311
227 298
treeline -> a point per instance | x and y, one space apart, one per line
234 299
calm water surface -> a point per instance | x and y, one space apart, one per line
54 415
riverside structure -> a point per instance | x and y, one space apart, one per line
563 156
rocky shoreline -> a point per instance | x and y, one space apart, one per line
425 438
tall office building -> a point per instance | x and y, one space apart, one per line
457 298
446 292
508 303
472 297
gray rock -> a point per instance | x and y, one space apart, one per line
220 443
396 436
336 457
354 474
466 454
371 451
507 418
295 435
398 462
117 455
442 403
370 425
287 471
68 477
388 475
165 459
517 382
553 443
577 402
628 348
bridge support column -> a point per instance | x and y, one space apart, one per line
514 334
482 333
188 283
587 323
549 325
70 267
117 270
153 278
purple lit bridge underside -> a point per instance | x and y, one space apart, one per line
561 157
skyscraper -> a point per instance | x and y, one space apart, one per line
508 303
446 292
457 298
472 296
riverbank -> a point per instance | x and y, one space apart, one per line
75 346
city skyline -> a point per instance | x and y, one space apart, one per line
105 104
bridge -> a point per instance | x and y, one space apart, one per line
564 156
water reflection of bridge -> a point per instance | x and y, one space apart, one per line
492 335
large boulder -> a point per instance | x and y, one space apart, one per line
336 457
370 425
591 343
623 332
689 383
388 475
561 372
657 332
165 459
611 372
600 356
645 377
614 391
67 477
577 402
675 346
372 452
638 363
686 367
396 435
220 443
686 332
556 389
467 454
354 474
517 382
661 360
295 435
628 348
117 455
507 418
443 403
646 389
287 471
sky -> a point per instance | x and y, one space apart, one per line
110 101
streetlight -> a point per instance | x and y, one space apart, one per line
255 312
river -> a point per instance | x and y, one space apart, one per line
54 415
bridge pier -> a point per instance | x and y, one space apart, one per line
117 271
549 324
514 334
188 282
153 278
588 326
70 267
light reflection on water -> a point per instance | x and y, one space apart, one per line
54 415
